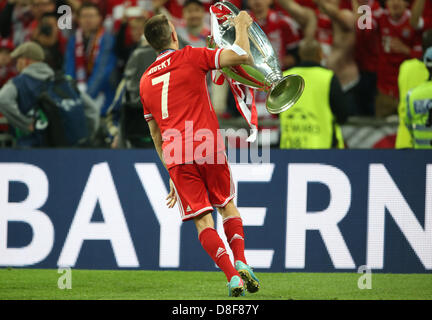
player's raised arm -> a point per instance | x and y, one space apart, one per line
240 51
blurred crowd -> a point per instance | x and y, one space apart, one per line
100 45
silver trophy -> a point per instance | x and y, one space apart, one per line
265 74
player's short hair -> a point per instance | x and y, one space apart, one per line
157 31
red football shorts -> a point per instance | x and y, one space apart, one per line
202 187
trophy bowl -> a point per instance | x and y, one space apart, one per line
265 73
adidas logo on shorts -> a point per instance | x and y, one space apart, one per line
188 209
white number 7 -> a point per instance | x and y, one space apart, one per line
165 79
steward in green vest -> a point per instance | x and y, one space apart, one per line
313 123
412 73
419 109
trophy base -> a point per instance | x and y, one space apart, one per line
285 93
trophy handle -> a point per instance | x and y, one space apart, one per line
285 93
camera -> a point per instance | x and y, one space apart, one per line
46 29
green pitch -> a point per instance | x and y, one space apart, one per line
160 285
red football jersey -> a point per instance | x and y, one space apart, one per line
389 62
174 93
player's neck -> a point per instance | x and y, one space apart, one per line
167 49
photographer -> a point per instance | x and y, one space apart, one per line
21 96
51 40
124 118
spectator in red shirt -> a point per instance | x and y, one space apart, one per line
193 30
324 33
324 28
366 55
282 31
303 15
118 12
175 8
398 41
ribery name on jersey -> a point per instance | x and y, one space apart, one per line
161 66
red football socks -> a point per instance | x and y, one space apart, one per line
235 236
215 248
